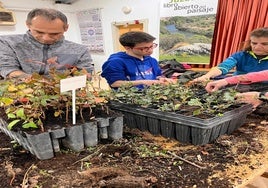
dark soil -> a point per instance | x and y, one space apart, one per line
140 159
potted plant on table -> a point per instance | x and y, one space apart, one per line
36 106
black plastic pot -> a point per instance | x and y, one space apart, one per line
76 137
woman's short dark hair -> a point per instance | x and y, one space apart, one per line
49 14
259 32
132 38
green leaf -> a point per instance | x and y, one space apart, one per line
177 106
12 123
29 125
196 112
43 102
120 95
227 96
20 113
11 116
195 102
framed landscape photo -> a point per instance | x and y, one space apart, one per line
7 18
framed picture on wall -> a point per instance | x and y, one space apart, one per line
7 18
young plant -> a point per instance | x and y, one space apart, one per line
176 97
27 102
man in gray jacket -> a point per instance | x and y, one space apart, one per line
42 47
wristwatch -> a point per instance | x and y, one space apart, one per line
262 96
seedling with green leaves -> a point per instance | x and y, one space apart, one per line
27 102
177 98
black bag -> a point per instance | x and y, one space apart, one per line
189 76
169 67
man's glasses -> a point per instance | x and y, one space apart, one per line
145 49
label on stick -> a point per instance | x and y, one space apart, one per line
73 83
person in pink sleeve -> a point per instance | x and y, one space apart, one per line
240 79
253 97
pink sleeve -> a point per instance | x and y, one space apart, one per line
248 78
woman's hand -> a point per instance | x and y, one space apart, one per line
251 97
215 85
204 78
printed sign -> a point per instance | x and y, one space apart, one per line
187 7
186 30
90 24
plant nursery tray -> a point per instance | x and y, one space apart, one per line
44 145
186 129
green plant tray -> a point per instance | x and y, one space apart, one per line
186 129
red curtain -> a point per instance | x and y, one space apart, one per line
235 19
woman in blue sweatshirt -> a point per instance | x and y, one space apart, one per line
253 58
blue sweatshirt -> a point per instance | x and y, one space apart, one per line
121 66
244 62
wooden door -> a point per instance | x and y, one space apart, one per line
129 27
123 27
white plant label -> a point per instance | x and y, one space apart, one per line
71 84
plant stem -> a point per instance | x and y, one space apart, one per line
189 162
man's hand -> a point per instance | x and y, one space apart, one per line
19 75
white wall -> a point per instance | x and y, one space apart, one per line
111 12
22 7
